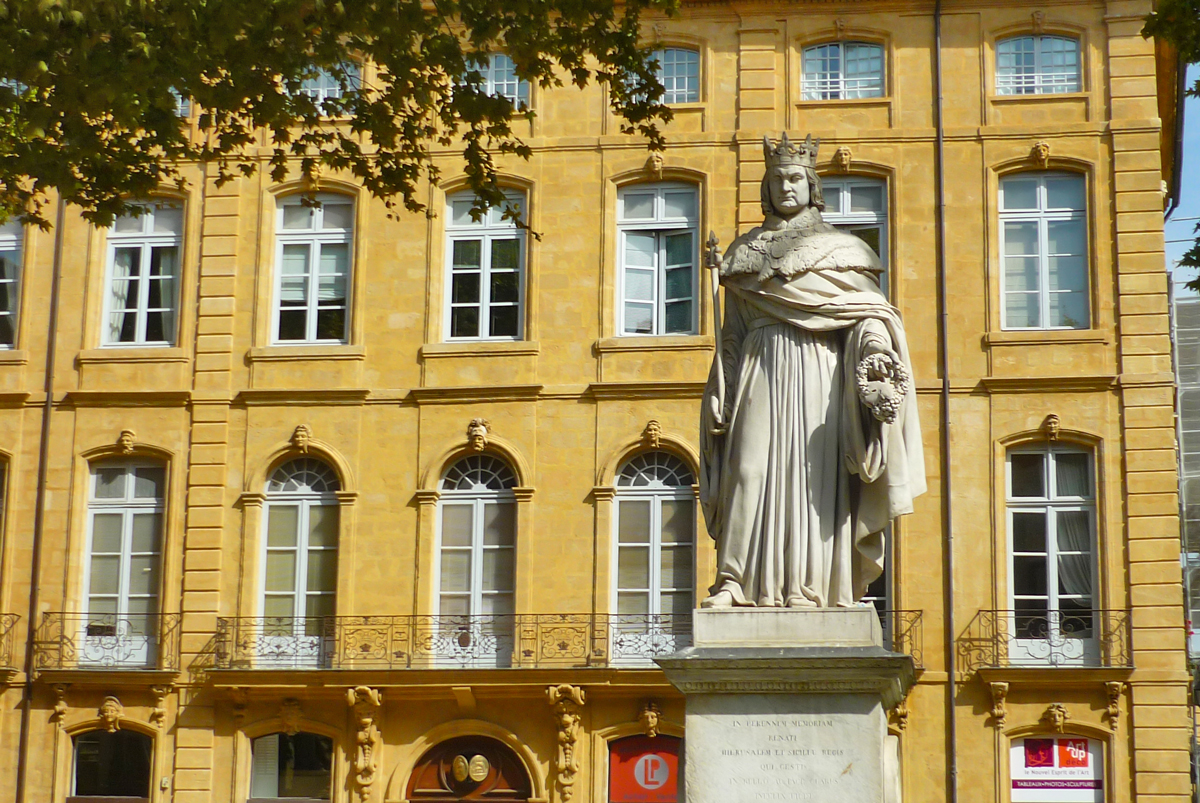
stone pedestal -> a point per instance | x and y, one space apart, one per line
788 705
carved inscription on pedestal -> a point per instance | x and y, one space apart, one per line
772 749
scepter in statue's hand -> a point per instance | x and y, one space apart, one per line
713 260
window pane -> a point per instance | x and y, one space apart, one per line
679 317
331 324
280 605
639 319
499 523
639 285
677 525
1029 576
638 206
315 607
281 571
505 254
505 287
464 322
498 605
168 220
1022 311
143 575
640 250
323 525
502 321
1021 239
1071 474
497 570
679 283
105 574
456 525
1065 237
1069 310
1067 273
633 522
110 483
129 224
1029 532
1019 193
454 605
335 260
297 216
1021 273
322 570
679 204
1027 471
866 199
146 530
283 522
106 532
679 249
464 288
633 567
1065 192
633 604
148 482
293 325
676 568
456 570
338 216
676 604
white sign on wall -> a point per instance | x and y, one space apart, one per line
1057 769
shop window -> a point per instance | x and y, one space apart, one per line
313 255
11 236
1052 537
1043 246
296 766
125 526
658 226
859 205
644 769
301 547
1055 768
485 270
143 277
842 71
469 768
112 765
1037 65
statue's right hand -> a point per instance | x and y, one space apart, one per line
714 418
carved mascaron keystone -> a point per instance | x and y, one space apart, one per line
110 713
477 434
566 701
364 704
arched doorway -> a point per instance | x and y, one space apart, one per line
468 768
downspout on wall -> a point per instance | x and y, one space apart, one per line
944 360
39 508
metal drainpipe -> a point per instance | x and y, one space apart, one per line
944 338
39 506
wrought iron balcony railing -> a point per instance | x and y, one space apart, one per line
433 642
1024 638
107 641
902 632
8 627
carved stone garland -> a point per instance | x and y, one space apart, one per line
364 704
566 701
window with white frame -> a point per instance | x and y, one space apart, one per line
291 765
658 228
477 513
485 273
183 105
498 77
655 525
301 544
12 235
842 71
125 526
328 85
1051 511
1043 242
312 279
143 276
1037 65
858 205
679 73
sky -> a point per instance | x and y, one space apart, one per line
1181 224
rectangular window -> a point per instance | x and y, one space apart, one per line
679 73
313 264
143 274
125 523
501 80
485 271
658 232
1043 243
12 235
858 206
1037 65
328 85
1051 526
842 71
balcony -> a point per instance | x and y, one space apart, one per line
450 642
81 641
1096 639
903 632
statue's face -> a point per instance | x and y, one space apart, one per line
789 189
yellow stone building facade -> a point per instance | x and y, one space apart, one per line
333 505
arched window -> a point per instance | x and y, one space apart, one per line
658 228
296 765
842 71
113 765
469 768
121 577
485 271
1052 554
477 514
300 557
655 538
313 260
1037 65
1043 247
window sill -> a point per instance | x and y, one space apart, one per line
305 353
1039 98
480 348
845 102
645 343
1044 337
13 357
132 354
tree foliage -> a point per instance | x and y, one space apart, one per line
1178 22
88 90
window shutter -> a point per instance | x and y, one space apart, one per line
264 772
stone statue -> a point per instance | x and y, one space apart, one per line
810 442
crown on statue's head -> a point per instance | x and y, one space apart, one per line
789 153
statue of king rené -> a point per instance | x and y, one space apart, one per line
810 442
